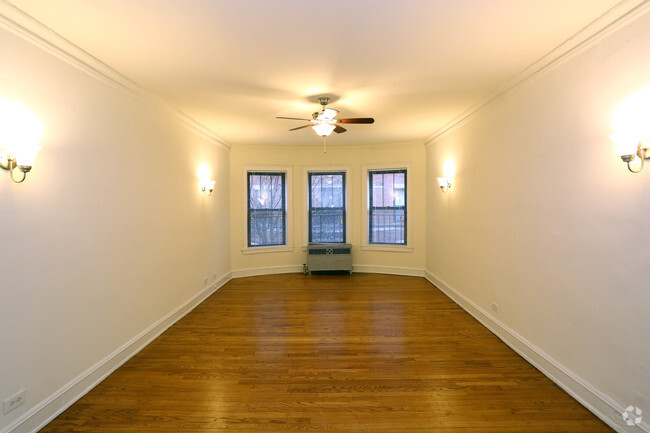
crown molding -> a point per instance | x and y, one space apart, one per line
612 20
32 31
319 147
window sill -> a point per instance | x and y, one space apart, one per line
388 248
262 250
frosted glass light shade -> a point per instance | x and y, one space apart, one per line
625 144
25 155
443 182
323 129
329 113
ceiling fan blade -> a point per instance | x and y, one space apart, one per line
357 120
300 127
293 118
339 129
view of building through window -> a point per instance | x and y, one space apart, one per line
267 209
327 207
387 211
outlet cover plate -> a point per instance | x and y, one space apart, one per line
13 402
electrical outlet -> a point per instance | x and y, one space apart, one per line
13 402
495 307
205 281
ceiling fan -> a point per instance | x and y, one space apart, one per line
325 121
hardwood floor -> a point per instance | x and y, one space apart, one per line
359 353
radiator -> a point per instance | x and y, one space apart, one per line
329 257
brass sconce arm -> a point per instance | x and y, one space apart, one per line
207 187
8 162
642 153
445 183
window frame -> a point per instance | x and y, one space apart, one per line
365 207
288 204
349 185
371 173
342 207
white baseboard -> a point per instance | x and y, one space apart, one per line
391 270
269 270
292 269
45 411
603 406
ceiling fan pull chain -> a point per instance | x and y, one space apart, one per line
324 150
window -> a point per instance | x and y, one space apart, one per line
327 207
387 207
267 209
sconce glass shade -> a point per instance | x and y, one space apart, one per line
207 187
444 183
323 129
25 155
626 145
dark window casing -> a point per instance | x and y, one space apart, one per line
387 207
327 216
267 209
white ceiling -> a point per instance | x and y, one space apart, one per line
234 65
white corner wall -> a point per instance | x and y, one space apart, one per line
546 221
109 240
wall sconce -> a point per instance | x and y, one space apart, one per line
20 131
207 187
445 183
205 184
22 159
631 122
629 146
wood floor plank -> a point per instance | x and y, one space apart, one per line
331 353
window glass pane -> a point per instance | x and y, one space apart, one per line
327 225
327 207
387 213
326 191
337 190
399 189
266 209
388 189
266 227
387 226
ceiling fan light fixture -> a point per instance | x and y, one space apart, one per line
323 129
329 114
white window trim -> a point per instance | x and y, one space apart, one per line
305 198
365 204
288 178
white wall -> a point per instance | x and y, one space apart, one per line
356 159
546 221
109 237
